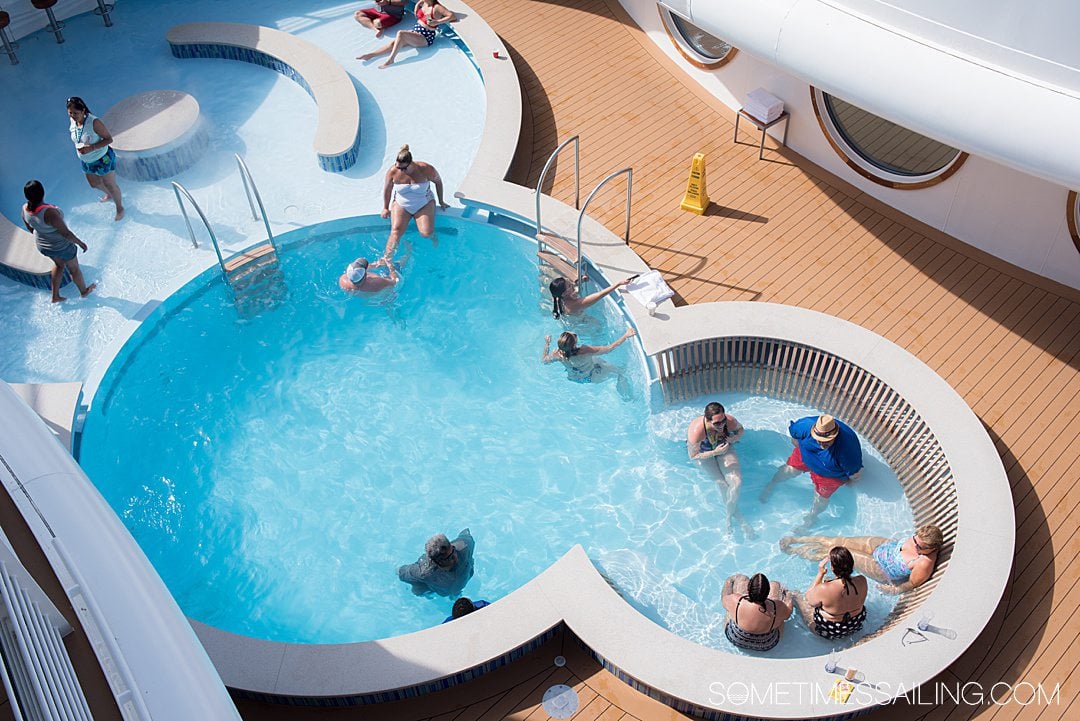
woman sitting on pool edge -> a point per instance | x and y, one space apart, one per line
897 566
834 610
566 299
429 16
357 277
762 623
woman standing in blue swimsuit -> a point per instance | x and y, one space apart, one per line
897 566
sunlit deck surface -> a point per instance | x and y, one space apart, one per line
782 230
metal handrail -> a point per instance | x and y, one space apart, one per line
629 197
177 190
245 176
577 176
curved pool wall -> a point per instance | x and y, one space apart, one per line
950 470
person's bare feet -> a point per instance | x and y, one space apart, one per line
379 29
386 64
105 198
785 544
89 290
367 56
58 299
119 214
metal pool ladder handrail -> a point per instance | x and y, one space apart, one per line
249 188
577 176
177 190
629 197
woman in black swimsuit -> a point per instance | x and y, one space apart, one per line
834 608
756 610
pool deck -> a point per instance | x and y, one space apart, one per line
783 230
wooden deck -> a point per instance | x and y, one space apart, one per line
511 692
785 231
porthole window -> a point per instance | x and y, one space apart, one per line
697 46
1073 209
881 150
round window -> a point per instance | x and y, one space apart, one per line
881 150
696 45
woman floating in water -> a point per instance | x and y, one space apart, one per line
834 608
429 16
567 300
897 566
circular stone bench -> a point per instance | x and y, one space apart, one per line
337 137
156 134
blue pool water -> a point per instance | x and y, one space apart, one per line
278 468
266 118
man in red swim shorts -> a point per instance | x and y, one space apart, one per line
386 13
826 448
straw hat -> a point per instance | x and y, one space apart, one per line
825 429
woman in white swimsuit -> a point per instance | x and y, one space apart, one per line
407 194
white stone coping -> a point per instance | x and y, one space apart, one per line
151 120
330 86
55 403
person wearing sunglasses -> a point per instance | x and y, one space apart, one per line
897 565
407 195
445 567
710 440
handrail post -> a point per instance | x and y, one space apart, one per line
581 215
577 176
177 190
245 176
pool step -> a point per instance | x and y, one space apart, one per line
256 280
557 252
556 242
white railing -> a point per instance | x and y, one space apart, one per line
42 685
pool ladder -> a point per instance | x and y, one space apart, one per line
557 251
253 274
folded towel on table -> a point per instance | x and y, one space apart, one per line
650 288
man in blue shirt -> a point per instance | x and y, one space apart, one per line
826 448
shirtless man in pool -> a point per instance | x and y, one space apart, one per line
407 194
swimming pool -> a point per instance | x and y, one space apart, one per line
266 118
290 461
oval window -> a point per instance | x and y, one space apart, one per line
881 150
696 45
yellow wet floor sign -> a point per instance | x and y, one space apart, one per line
696 199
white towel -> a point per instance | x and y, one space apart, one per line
649 288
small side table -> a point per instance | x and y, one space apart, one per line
762 127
